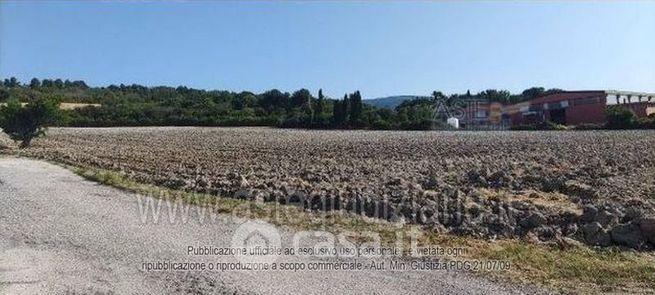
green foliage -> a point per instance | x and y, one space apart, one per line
11 82
35 83
523 127
646 123
4 95
494 95
589 126
533 92
356 110
620 118
320 102
24 123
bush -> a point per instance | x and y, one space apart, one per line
620 118
523 127
24 123
645 123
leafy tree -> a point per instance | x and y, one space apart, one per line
345 109
300 98
356 109
553 91
437 95
340 112
4 95
12 82
620 118
47 83
59 83
272 99
245 100
336 113
24 123
303 99
80 84
494 95
35 83
533 92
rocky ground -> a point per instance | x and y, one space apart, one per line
596 187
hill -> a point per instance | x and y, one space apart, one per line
390 102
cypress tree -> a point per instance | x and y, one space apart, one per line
319 103
337 114
356 109
345 109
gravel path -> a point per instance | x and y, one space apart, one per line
61 234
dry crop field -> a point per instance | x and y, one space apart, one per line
596 187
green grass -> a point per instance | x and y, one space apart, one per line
575 269
581 269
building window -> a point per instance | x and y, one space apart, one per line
585 101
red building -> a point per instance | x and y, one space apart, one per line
566 108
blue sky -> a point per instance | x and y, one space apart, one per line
380 48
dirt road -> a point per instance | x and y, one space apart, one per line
61 234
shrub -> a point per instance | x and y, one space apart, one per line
523 127
24 123
645 123
620 118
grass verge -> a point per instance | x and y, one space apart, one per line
570 269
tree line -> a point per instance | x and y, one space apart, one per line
137 105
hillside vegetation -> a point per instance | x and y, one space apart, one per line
137 105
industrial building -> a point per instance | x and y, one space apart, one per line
566 108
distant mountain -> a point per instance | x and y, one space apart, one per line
390 102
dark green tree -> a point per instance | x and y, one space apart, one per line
47 83
553 91
345 110
80 84
24 123
35 83
4 95
244 100
301 97
12 82
356 109
59 83
494 95
532 92
337 114
272 99
619 117
319 102
438 95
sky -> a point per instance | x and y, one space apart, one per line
380 48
